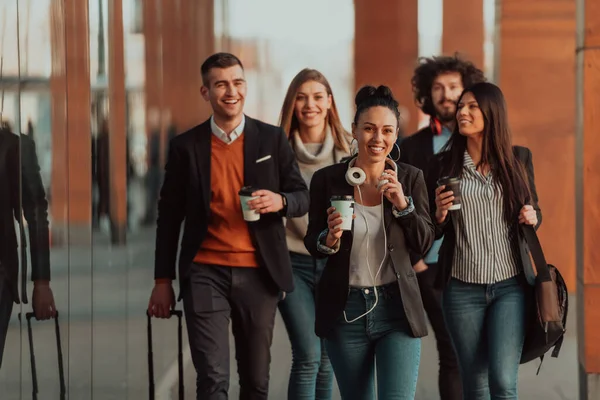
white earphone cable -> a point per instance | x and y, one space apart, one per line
368 264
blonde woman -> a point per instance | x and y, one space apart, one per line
310 118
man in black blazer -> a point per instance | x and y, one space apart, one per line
22 193
228 268
437 84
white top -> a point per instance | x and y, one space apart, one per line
359 267
221 134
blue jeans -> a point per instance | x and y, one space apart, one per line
487 327
381 341
311 376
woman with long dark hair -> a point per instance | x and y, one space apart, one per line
482 271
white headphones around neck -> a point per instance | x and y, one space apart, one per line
356 176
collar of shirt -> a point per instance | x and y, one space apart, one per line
221 134
468 162
446 132
471 169
439 141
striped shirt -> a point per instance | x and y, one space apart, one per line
484 252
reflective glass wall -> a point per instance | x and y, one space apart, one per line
83 188
92 91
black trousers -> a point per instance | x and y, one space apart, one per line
212 297
449 375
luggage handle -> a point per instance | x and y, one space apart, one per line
61 372
179 315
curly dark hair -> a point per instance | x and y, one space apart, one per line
430 67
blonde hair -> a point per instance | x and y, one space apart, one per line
288 120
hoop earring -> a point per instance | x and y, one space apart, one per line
397 158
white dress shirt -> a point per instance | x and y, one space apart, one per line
221 134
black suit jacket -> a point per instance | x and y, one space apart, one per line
417 149
414 231
186 194
22 192
439 167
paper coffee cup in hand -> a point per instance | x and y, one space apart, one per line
452 184
345 206
245 194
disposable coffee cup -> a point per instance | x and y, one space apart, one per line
245 194
452 184
345 206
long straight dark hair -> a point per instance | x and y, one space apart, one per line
497 149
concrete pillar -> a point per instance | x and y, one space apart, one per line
117 122
536 63
72 166
463 29
588 193
386 48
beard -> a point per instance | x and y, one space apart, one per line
446 116
445 113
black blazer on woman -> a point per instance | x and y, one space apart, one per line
414 230
439 167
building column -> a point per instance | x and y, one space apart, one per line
58 93
152 65
117 122
463 30
536 72
588 193
188 38
71 166
205 31
386 48
172 43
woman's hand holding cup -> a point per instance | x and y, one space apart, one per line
335 224
334 227
443 202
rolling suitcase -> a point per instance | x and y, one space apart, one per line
61 372
179 315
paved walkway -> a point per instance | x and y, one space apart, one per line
108 352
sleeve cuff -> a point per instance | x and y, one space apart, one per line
406 211
283 211
324 249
